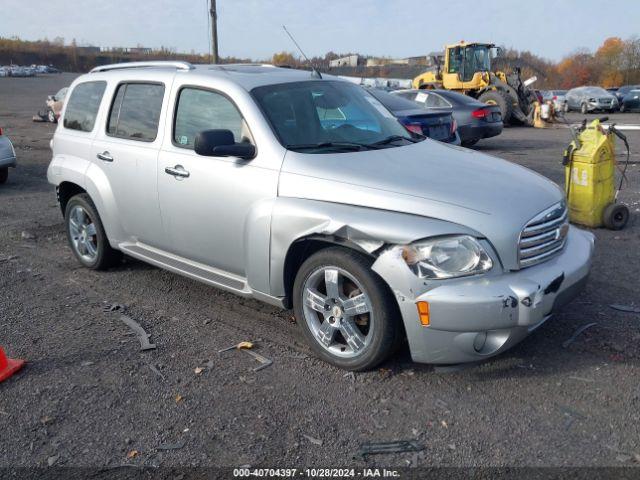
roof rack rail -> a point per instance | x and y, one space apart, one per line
150 64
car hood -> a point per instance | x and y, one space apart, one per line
494 197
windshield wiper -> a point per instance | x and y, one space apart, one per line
391 139
345 145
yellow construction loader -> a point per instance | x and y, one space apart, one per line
467 69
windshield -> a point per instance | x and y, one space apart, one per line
596 91
466 61
314 116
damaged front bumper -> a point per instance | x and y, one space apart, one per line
478 317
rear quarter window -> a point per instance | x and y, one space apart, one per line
83 105
135 111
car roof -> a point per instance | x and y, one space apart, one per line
247 76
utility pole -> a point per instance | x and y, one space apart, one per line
214 32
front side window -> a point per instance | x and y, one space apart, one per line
135 111
312 116
200 110
455 60
83 105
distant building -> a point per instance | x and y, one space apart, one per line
133 50
379 62
350 61
89 49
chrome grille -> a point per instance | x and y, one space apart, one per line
544 236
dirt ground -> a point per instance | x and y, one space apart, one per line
88 396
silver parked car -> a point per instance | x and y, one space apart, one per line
306 192
590 99
7 157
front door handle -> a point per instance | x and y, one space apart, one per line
177 171
105 156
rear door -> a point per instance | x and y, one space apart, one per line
126 149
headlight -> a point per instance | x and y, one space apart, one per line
447 257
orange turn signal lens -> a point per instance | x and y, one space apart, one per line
423 312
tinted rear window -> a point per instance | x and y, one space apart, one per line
83 105
392 102
135 111
457 97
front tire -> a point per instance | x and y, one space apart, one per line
500 99
4 175
86 235
584 109
345 310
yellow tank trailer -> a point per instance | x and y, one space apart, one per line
590 179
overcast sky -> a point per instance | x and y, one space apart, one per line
252 28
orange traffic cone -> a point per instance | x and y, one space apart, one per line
8 366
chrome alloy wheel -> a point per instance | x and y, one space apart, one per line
83 234
338 312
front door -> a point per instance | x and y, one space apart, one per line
208 204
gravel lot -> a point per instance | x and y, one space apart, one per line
89 397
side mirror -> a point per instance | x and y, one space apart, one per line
220 143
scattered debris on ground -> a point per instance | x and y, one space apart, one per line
315 441
239 346
171 446
143 336
264 361
625 308
377 448
577 333
246 347
116 307
155 370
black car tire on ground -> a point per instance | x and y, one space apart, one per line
470 143
615 216
4 175
51 116
106 256
501 99
387 332
622 109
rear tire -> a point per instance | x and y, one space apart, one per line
4 175
323 316
501 100
86 235
615 216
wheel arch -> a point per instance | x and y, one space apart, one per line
65 191
302 249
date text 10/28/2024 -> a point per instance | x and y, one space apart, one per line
316 473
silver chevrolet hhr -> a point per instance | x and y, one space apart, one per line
304 191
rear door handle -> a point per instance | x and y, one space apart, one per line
105 156
177 171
